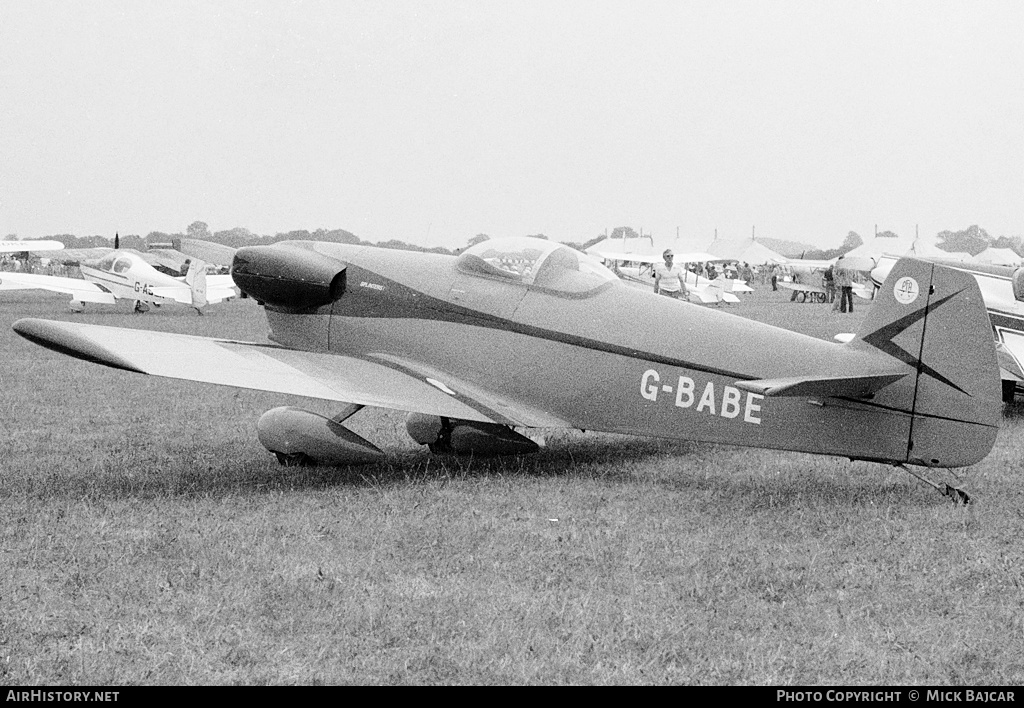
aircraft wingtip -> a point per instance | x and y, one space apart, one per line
70 339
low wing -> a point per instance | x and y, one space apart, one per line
377 380
30 245
78 289
802 287
859 386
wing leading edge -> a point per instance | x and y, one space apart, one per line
372 381
78 289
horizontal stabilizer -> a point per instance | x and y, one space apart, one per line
839 386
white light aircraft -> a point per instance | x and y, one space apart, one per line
124 274
806 278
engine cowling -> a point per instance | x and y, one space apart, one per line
298 436
467 437
288 276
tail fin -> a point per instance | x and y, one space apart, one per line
196 280
933 319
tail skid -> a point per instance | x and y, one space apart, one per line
958 495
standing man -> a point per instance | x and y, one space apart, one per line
669 278
844 283
828 279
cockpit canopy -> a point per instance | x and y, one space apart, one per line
114 262
536 263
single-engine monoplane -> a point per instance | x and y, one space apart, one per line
126 274
526 333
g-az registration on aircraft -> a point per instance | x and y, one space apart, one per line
526 333
125 274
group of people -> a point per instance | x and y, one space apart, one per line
33 265
833 280
841 280
670 280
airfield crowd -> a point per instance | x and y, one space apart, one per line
38 266
832 285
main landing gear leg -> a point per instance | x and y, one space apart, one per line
957 495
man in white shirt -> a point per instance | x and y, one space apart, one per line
669 278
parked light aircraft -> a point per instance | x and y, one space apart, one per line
1002 288
528 333
806 279
126 274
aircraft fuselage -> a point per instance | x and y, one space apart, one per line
129 277
612 359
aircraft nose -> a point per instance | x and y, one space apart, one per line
288 276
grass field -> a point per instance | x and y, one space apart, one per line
147 538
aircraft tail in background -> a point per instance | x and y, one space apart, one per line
196 280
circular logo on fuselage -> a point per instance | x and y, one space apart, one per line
906 290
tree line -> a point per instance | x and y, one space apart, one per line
973 240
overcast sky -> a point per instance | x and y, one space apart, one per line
432 122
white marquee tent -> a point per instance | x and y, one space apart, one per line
999 256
